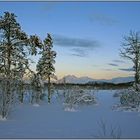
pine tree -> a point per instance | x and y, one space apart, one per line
15 46
45 66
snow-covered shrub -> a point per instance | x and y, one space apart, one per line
36 85
136 87
118 93
76 96
42 96
21 90
45 92
130 97
59 95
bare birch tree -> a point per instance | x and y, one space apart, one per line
131 51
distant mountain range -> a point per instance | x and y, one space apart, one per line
82 80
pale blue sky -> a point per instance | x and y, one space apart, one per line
87 35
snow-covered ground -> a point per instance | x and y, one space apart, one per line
51 121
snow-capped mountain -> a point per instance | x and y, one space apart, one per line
82 80
74 79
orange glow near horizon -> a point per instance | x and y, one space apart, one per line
97 74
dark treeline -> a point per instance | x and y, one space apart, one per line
95 85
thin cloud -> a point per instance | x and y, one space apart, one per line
78 47
127 69
78 55
112 64
75 42
107 69
103 19
118 61
79 52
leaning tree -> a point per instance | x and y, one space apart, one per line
45 66
15 46
131 51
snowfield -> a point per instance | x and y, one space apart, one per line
54 121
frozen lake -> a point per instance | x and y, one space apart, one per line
51 121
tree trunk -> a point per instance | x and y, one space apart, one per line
3 104
22 92
49 90
32 96
136 72
8 71
22 97
37 96
136 81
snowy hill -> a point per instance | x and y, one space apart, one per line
122 79
82 80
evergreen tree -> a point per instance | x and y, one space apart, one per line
45 66
14 49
